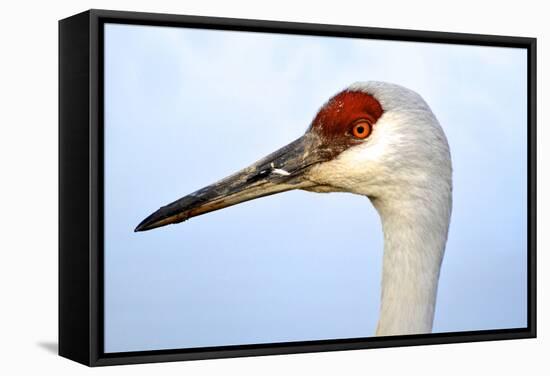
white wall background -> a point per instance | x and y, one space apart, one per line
28 193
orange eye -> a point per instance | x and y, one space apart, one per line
361 130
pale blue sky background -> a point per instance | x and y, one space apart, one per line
186 107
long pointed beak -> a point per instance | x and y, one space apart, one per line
280 171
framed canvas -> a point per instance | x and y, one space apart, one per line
392 202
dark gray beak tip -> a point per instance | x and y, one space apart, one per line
151 221
140 228
143 226
166 215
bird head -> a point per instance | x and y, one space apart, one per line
375 139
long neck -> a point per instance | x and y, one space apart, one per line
415 233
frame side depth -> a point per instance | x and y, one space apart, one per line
74 189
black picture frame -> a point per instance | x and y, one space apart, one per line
81 181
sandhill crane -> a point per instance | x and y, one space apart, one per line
374 139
